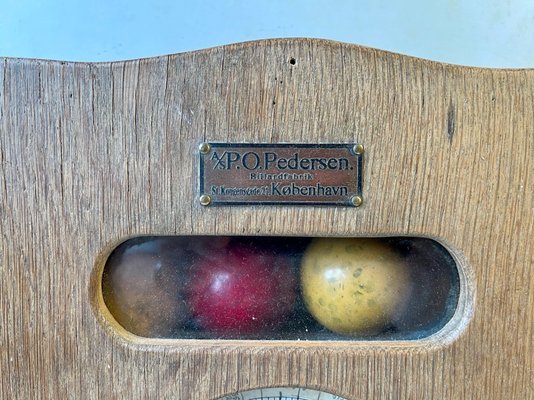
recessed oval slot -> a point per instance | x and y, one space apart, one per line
281 288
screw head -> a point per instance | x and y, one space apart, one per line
358 149
204 148
205 200
356 201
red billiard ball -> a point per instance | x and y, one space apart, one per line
240 291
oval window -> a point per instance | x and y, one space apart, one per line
211 287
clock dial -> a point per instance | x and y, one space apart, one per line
282 393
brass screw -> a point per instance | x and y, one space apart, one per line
358 149
356 201
204 148
205 200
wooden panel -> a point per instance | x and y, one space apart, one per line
94 153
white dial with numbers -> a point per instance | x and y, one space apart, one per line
282 393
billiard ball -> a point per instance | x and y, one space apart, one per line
354 286
143 289
241 290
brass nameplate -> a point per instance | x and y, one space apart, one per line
289 174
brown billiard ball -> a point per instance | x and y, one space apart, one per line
143 290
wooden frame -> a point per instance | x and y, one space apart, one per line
92 154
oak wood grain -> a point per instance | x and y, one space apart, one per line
91 154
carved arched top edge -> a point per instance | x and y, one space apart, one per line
288 44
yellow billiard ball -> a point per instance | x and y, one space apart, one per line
354 286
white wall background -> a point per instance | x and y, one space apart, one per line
493 33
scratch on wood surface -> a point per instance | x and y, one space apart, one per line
451 121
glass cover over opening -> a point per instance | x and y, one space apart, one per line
211 287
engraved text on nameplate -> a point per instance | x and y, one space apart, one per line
299 174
